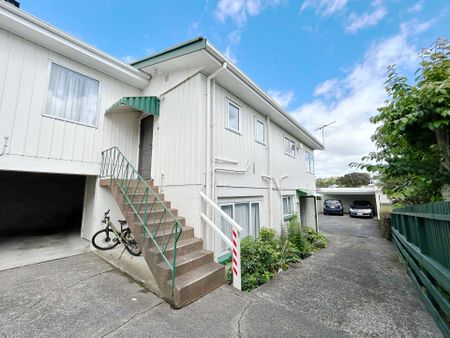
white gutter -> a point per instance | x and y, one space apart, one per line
31 28
208 171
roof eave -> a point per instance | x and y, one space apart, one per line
31 28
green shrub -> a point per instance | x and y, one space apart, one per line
385 222
268 254
317 240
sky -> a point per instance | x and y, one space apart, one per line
322 60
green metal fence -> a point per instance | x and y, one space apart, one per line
421 234
156 219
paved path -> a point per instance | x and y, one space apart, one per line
355 288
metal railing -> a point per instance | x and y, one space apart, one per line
157 221
234 243
421 234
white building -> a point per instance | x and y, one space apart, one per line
210 129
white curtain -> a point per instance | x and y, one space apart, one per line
242 217
254 229
72 96
225 226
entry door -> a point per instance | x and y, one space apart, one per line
145 147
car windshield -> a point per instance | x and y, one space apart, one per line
361 205
332 203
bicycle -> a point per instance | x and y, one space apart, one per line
110 237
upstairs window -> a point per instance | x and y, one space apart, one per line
233 117
289 147
309 162
260 131
72 96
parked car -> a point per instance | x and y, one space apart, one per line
361 209
333 207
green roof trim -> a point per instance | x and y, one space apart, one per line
306 193
187 47
145 104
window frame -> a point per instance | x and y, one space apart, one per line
250 204
258 120
291 204
285 137
44 112
309 162
239 108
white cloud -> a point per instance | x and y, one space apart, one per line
350 101
324 7
283 98
128 58
416 7
194 29
230 55
366 19
240 10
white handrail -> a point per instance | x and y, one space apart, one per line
216 228
234 242
221 212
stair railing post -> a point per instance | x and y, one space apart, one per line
236 263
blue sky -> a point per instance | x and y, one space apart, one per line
323 60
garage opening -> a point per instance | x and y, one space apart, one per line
40 217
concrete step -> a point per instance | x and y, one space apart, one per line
140 204
141 197
157 212
186 263
196 283
165 234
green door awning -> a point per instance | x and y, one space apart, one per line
144 104
307 193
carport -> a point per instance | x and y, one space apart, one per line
40 217
348 195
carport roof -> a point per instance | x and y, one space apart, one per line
348 191
307 193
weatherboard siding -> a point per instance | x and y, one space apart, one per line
45 144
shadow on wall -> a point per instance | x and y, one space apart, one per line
32 203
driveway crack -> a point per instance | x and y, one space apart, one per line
132 317
241 316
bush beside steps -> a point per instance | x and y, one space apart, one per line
268 254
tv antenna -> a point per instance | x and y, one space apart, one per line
322 127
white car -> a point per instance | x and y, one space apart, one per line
361 209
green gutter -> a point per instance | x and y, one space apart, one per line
187 47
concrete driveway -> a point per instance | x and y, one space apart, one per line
355 288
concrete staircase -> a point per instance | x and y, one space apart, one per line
196 272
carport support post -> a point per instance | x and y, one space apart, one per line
316 215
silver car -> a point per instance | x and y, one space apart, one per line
361 209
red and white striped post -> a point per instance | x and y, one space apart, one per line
236 250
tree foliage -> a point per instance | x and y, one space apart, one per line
412 137
352 180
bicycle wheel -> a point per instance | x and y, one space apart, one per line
105 239
130 244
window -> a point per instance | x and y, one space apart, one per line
287 205
246 215
309 162
260 131
72 96
233 117
289 147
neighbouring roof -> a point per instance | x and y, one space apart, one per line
148 105
347 191
199 53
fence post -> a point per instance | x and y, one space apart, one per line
236 263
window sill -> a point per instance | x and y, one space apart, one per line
69 121
234 131
261 143
290 156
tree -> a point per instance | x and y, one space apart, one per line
412 137
354 180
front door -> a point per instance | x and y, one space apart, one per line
145 147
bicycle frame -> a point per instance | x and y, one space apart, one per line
119 234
